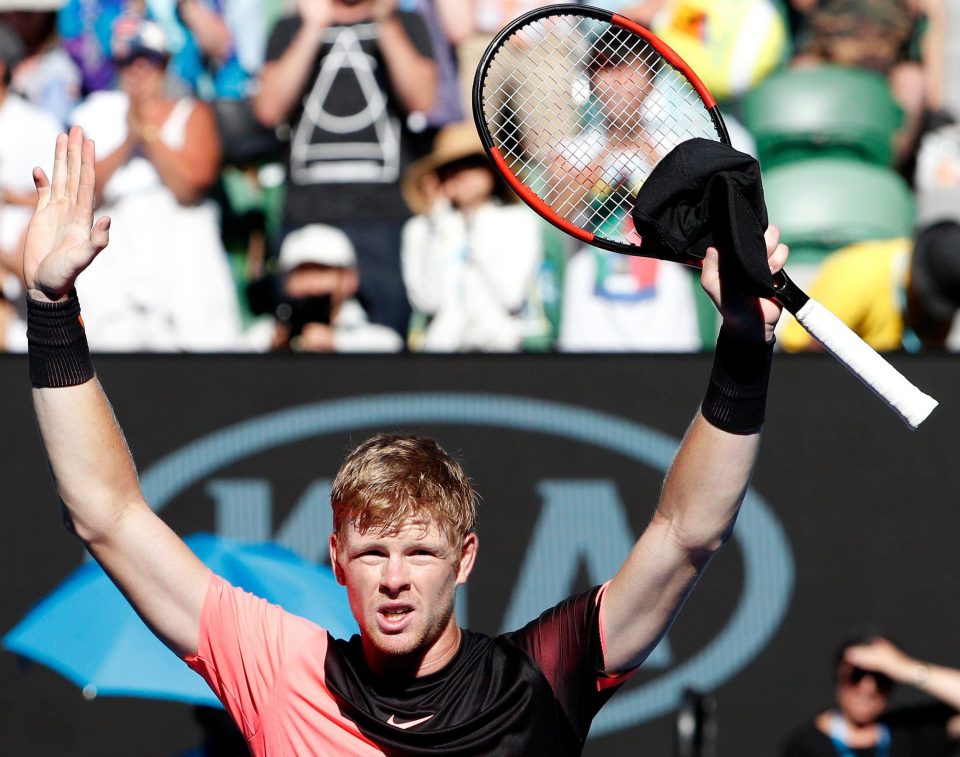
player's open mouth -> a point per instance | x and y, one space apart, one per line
394 618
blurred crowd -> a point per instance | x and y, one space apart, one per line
304 175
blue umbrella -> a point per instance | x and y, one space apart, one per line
86 630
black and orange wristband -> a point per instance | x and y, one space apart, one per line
736 398
57 343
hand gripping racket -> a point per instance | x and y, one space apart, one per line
575 107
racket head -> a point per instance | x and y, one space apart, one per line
575 106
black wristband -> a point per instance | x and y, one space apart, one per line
736 398
57 343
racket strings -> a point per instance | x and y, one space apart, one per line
581 110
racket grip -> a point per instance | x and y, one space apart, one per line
911 404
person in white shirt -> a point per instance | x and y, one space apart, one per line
469 258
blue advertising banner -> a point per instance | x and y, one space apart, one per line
849 521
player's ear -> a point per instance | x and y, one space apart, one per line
335 561
468 555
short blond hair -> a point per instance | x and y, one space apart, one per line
392 480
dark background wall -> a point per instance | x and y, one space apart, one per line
862 529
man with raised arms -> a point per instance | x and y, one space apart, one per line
413 681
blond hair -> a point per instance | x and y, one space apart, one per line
392 480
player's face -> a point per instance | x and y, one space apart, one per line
861 696
401 588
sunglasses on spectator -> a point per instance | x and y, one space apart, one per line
854 675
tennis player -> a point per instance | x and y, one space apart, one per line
413 681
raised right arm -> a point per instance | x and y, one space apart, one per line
92 469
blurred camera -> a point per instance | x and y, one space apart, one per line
297 312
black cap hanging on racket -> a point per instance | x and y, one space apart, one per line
706 193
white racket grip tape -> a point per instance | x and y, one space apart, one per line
911 404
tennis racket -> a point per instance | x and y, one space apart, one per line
576 105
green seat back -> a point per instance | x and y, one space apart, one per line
822 111
826 203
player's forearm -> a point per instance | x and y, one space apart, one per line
282 81
91 465
413 76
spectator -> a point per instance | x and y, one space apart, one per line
347 76
896 294
216 45
449 23
25 134
469 259
902 39
618 303
221 43
46 76
318 311
866 669
158 157
732 44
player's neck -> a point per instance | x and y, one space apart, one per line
422 662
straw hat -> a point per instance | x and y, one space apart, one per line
453 142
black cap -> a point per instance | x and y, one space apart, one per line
935 269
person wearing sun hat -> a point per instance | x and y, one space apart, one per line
471 255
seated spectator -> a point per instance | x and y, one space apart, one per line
158 156
26 133
731 44
469 258
619 303
46 76
216 46
887 36
318 311
866 669
895 294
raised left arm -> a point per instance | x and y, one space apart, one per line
705 485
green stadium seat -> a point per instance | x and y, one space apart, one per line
822 111
826 203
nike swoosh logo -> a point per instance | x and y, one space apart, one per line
408 724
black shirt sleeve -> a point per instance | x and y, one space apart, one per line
564 643
281 36
416 30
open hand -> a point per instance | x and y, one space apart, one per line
62 239
749 317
